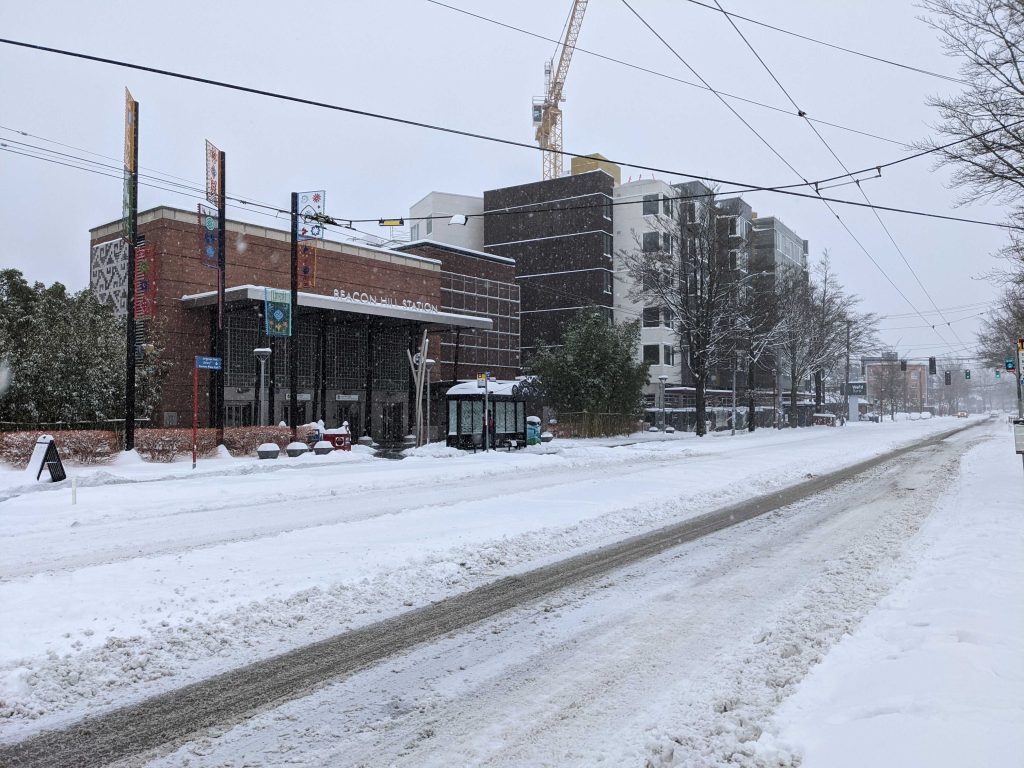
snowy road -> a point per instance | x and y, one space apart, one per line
880 494
676 661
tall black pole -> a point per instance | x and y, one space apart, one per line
218 378
293 341
133 225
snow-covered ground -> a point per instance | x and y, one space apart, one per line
160 576
935 674
684 660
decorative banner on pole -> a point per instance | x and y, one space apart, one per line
145 281
277 309
131 119
307 265
212 173
311 210
208 226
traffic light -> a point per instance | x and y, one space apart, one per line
1010 364
967 375
903 365
999 375
949 378
931 366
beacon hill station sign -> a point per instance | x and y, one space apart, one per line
359 311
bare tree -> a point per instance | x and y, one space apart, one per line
988 115
689 275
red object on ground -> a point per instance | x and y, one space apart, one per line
341 440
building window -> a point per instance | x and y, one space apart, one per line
666 317
652 317
650 205
651 354
734 225
666 242
430 226
414 232
607 243
733 260
608 208
670 354
689 212
607 281
651 242
670 205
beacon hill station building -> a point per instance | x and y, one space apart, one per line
361 310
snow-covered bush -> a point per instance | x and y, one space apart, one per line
87 446
168 444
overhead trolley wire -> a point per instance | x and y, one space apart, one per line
484 137
920 70
657 73
789 165
832 152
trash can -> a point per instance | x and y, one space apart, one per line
533 430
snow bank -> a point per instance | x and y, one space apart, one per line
934 675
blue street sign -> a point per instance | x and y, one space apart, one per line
212 363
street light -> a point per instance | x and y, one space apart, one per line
262 354
430 364
663 378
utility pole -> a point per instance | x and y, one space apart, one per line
847 387
131 226
293 341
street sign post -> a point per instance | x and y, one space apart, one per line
210 364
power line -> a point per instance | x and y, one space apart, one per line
788 164
843 166
664 75
816 41
275 211
353 111
508 142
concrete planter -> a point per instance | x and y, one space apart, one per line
296 449
268 451
322 448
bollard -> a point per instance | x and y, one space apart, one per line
74 491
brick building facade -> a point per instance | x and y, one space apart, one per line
365 308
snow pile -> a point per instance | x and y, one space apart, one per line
934 675
434 451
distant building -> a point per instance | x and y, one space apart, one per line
559 232
776 247
645 220
429 220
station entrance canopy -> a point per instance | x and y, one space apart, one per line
352 303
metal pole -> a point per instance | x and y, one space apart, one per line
733 430
428 405
263 393
487 426
293 340
217 376
195 409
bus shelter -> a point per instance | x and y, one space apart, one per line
506 404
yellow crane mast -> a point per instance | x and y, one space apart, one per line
547 115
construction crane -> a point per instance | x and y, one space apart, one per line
547 115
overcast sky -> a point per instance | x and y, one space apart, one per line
414 59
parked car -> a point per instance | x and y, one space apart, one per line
961 414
